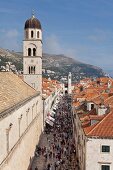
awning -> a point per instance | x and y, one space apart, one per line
57 102
54 108
49 122
52 115
56 105
51 118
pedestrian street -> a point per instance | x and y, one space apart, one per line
56 150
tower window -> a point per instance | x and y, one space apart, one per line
37 34
34 51
34 69
29 51
31 69
31 34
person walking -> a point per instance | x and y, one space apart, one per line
48 166
36 168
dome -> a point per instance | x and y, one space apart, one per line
32 23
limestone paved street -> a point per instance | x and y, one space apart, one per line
56 148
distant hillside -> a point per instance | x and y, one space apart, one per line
60 64
63 64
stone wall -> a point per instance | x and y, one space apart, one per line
94 155
80 140
20 132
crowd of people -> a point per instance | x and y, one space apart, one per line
59 153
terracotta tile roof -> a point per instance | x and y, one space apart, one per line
96 117
91 116
109 101
86 124
13 90
88 117
104 128
84 118
49 86
101 98
89 128
92 112
76 104
90 96
103 79
97 93
111 90
45 80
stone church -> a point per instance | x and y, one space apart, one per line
21 116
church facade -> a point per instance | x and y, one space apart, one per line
21 113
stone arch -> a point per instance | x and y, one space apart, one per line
34 51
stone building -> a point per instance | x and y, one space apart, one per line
21 115
93 126
52 89
32 53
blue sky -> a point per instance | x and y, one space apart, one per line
82 29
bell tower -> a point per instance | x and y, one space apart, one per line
32 53
69 84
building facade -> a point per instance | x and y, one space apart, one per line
51 92
93 120
21 112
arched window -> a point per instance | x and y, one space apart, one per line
37 34
31 69
31 34
34 51
29 51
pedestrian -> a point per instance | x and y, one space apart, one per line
53 154
55 166
48 166
36 168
